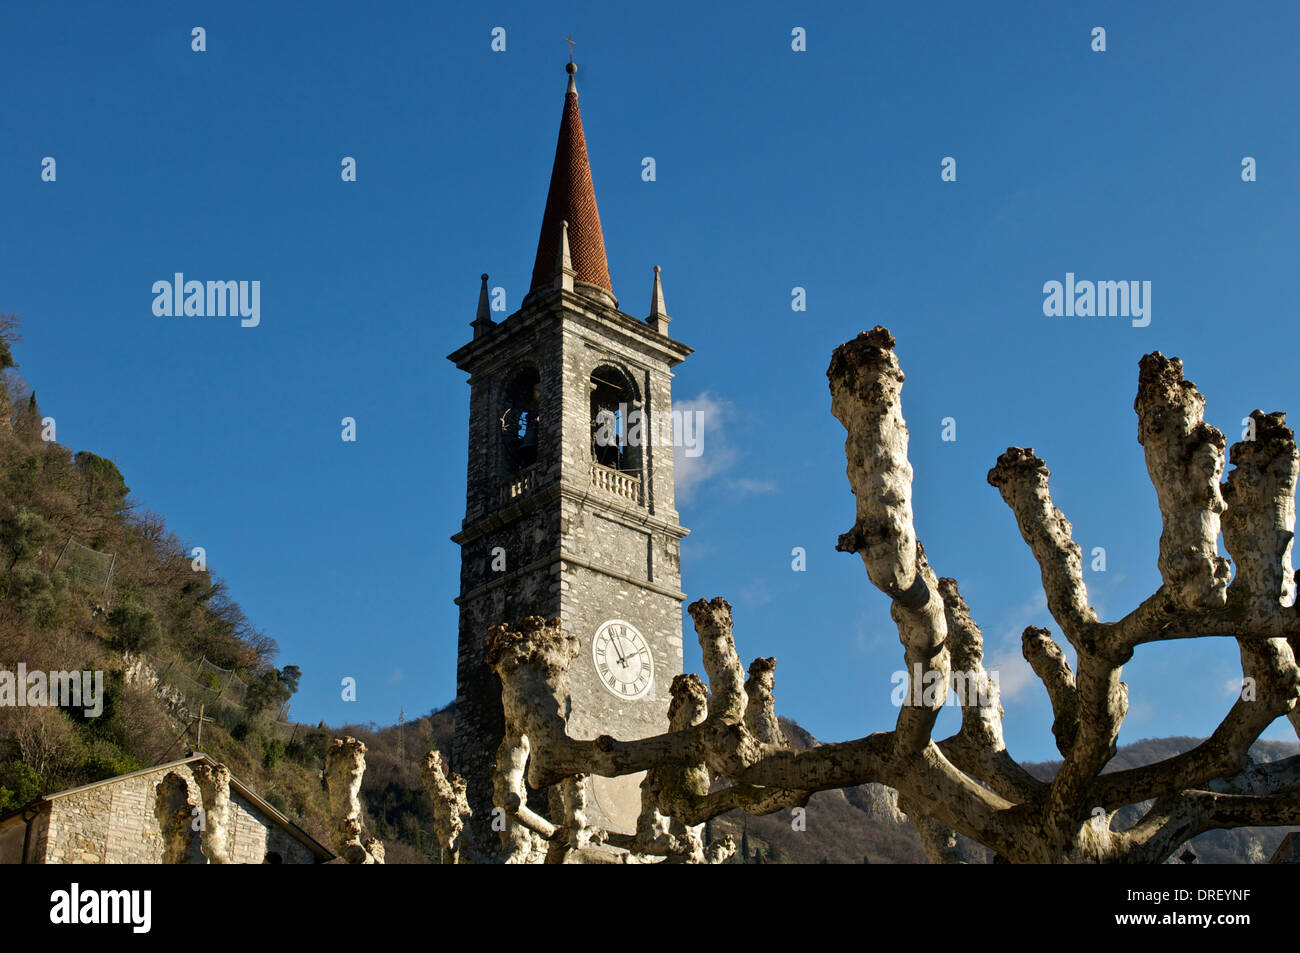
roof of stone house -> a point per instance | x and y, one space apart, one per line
572 199
236 785
1288 852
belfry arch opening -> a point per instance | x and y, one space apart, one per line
521 420
615 410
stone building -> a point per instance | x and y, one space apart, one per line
148 817
1288 852
569 505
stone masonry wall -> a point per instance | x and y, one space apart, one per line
115 823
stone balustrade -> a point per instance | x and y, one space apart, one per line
621 484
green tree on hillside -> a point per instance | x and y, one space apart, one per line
135 628
105 485
273 688
22 534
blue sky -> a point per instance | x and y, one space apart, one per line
775 169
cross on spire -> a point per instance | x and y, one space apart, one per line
572 43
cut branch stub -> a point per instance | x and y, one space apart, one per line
676 789
689 703
214 786
450 805
866 384
721 663
535 642
1053 670
1184 457
1260 521
760 714
1022 479
977 693
531 660
523 832
923 631
965 640
345 767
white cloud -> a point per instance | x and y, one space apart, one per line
756 593
749 486
714 454
717 454
1014 674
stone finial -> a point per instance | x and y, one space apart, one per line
564 273
483 319
658 318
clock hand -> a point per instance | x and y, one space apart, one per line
618 651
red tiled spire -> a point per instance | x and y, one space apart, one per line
572 198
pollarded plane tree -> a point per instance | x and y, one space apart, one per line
724 749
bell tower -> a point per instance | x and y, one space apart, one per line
569 506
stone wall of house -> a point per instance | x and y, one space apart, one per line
117 823
252 837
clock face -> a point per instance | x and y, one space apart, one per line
622 658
